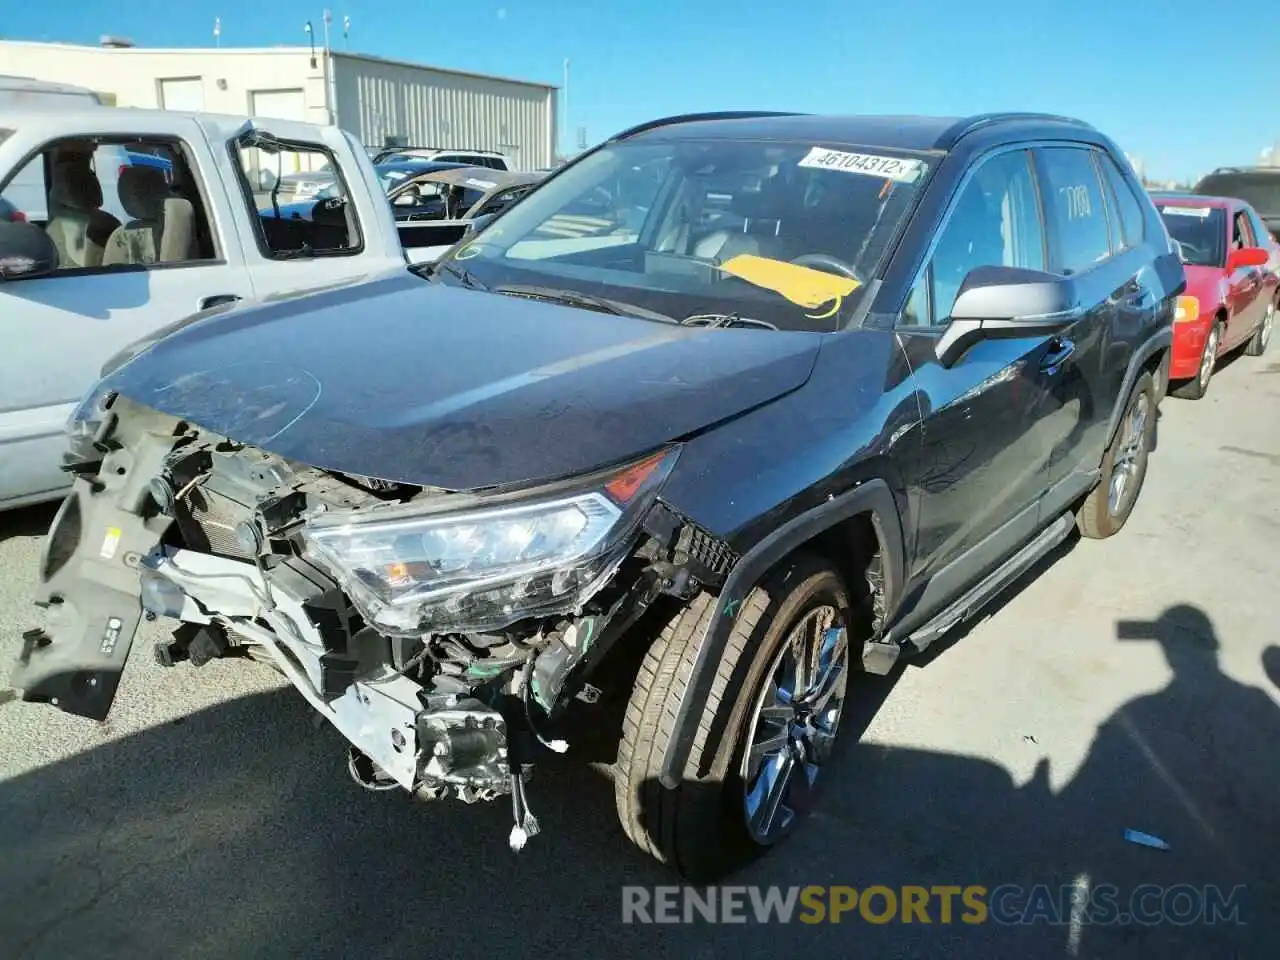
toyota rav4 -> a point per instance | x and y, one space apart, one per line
799 395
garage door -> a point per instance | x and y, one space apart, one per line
182 93
275 105
279 104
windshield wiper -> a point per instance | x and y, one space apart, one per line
725 320
571 298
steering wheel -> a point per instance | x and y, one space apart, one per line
824 261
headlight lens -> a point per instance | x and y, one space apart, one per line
412 573
83 424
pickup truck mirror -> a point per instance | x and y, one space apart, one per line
1006 303
1247 257
25 251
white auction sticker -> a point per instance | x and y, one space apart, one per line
904 170
1200 212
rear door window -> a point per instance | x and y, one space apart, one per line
1129 208
1074 208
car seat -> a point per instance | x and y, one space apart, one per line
162 225
78 226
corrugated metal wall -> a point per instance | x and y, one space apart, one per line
433 108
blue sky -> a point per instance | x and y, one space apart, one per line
1154 74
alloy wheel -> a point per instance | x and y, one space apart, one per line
1124 471
1264 335
1209 358
793 729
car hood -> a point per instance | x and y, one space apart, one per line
417 382
1208 285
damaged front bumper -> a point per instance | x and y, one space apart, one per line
165 520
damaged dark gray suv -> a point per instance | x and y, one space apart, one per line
728 408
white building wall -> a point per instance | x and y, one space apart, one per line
378 99
134 77
374 98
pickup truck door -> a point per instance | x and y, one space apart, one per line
111 288
350 233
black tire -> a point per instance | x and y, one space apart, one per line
1198 386
1257 344
700 828
1099 517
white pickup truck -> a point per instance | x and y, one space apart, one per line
152 216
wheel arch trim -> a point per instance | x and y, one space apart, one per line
872 497
1162 340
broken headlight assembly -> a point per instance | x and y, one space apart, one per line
411 571
86 422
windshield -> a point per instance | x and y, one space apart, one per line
1200 230
785 233
1260 190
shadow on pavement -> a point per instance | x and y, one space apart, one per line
236 833
27 521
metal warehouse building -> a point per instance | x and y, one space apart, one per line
381 102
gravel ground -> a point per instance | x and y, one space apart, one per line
1120 685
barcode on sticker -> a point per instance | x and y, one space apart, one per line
888 168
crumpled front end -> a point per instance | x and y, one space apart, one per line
446 635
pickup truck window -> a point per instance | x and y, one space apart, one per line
301 202
115 204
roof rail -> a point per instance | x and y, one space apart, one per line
696 117
969 124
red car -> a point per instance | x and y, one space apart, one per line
1233 270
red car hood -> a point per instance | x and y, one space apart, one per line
1208 285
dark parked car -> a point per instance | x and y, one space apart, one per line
1257 186
844 381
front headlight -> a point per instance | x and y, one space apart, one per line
411 572
85 422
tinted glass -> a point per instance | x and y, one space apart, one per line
1073 201
1130 207
995 222
1259 189
686 227
1201 231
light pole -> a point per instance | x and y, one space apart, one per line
217 31
565 136
311 35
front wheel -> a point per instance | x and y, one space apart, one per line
1257 346
1124 466
774 710
1197 388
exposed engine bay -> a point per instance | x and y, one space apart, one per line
447 635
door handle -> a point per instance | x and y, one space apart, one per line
218 299
1059 350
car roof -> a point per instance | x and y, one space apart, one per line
924 133
485 178
419 166
1193 200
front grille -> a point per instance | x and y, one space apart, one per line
207 521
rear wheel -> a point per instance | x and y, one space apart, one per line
1124 466
1262 336
1198 387
777 697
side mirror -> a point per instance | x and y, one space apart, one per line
1247 257
1006 303
409 198
25 251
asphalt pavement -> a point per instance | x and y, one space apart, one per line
1121 685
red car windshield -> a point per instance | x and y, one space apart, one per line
1200 231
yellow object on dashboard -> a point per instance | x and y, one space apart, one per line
801 285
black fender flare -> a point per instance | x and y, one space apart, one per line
1163 340
872 497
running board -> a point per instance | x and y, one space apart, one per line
975 599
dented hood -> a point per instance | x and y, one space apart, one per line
418 382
